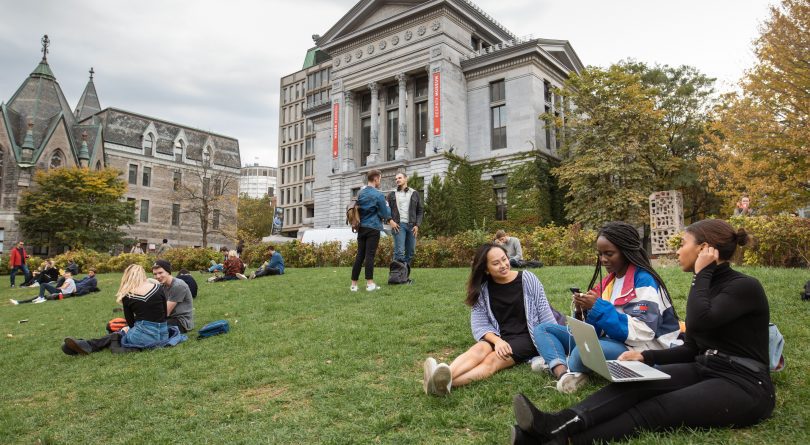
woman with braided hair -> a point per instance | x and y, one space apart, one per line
630 309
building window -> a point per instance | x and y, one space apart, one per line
270 191
177 181
133 174
392 95
144 210
179 148
355 192
57 160
497 104
308 168
215 222
308 190
421 87
365 140
548 129
498 126
175 214
365 103
217 187
499 187
148 144
421 126
310 146
147 176
393 134
205 186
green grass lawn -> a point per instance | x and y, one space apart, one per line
307 361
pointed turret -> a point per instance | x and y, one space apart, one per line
88 103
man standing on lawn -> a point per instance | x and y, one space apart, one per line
17 262
407 211
179 302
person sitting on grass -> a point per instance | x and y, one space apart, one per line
631 309
67 288
186 277
145 310
719 377
87 284
218 267
506 307
232 269
47 273
179 304
273 266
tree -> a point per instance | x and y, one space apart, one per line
533 193
632 129
76 207
440 218
209 193
760 142
255 218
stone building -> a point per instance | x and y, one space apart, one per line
410 80
157 158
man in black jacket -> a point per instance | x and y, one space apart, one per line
407 211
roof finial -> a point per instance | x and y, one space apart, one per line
46 42
91 73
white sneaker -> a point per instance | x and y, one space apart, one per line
35 284
13 301
430 367
441 380
539 364
39 300
353 288
372 287
211 279
570 382
241 276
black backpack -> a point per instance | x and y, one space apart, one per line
806 294
399 273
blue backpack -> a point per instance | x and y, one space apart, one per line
213 328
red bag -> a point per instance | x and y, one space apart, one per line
116 324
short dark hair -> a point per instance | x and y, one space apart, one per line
182 272
271 247
403 174
165 241
373 174
92 269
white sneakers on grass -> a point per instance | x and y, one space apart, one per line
570 382
538 364
437 378
241 276
13 301
369 287
39 300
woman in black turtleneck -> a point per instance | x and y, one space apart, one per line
719 376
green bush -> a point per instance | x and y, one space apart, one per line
779 241
120 262
191 258
85 259
560 246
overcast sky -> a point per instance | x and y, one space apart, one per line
216 65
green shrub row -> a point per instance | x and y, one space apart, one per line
188 258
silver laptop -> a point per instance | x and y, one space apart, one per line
616 371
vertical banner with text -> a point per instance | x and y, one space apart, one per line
437 104
335 130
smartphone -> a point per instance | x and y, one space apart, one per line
574 290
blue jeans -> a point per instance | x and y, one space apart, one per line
216 268
23 268
554 342
404 243
48 287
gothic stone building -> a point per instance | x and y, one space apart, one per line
393 85
39 130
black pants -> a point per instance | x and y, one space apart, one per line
264 271
175 322
367 241
111 341
696 396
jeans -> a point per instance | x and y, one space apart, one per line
554 342
367 241
267 271
25 270
48 287
404 243
216 268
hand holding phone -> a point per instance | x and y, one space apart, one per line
574 290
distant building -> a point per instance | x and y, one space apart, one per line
256 181
394 85
156 158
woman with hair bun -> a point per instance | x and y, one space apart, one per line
719 376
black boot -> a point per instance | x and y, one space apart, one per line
544 427
77 345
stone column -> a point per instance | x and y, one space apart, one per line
348 147
374 155
402 149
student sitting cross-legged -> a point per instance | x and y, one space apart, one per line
506 307
630 309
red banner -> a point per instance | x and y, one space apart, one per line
335 130
437 104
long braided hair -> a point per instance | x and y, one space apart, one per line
625 238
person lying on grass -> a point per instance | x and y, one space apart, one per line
66 289
719 376
506 307
630 308
145 310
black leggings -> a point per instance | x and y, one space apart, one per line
695 396
367 241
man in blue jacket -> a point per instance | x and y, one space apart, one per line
373 212
273 266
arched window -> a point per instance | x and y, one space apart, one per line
148 144
208 155
179 148
57 159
